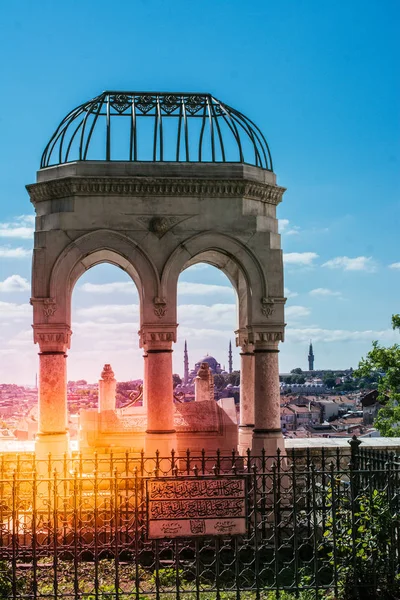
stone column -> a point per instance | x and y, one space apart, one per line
157 343
52 436
144 394
107 389
246 415
267 432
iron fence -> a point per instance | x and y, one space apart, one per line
315 526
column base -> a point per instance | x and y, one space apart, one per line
269 440
163 442
56 444
245 439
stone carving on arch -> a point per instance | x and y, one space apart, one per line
103 246
230 255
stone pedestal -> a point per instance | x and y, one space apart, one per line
160 434
267 432
246 419
204 384
107 389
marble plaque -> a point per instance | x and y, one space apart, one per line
196 506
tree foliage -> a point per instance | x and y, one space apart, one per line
176 380
384 364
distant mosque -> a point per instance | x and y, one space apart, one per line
215 366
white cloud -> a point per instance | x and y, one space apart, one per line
324 292
360 263
23 338
395 265
300 258
107 312
22 227
283 226
121 287
218 315
184 287
14 283
187 288
289 294
295 312
7 252
14 312
303 335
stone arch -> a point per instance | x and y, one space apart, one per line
103 246
228 254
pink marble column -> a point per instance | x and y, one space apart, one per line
52 436
160 434
144 401
246 419
267 432
52 393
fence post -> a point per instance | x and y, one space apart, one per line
354 474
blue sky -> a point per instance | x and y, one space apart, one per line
321 81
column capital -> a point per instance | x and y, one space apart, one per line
157 337
243 341
52 338
260 337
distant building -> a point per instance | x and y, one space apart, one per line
370 407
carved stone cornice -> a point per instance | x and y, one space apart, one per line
154 186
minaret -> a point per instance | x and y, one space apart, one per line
185 365
230 358
310 358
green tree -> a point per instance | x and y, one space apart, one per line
233 378
329 382
297 371
176 380
384 363
219 381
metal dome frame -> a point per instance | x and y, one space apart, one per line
72 138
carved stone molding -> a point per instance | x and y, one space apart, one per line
49 307
160 307
267 307
107 373
154 186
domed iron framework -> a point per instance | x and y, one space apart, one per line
157 127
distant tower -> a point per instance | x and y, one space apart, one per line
230 358
185 365
310 358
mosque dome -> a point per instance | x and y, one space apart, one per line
157 127
211 361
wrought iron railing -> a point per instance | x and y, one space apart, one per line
314 525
